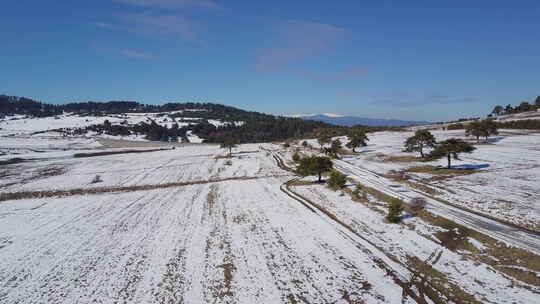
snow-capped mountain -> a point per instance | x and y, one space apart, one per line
343 120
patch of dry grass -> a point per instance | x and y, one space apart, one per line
515 262
402 159
438 170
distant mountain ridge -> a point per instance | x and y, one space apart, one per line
349 121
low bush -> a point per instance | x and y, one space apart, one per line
395 208
337 180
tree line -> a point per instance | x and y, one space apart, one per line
524 106
151 131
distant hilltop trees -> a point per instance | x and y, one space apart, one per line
240 125
524 106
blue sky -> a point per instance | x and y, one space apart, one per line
423 60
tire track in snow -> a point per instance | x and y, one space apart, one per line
515 235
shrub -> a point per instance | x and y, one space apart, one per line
337 180
356 192
417 204
97 179
228 162
296 157
394 210
456 126
286 145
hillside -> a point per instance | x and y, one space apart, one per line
190 121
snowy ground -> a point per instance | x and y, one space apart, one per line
21 126
234 235
506 182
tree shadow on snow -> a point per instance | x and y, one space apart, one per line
495 139
470 166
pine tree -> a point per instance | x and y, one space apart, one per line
451 148
314 165
420 140
323 140
484 128
337 180
230 143
497 110
395 207
357 138
475 129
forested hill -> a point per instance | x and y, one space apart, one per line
254 126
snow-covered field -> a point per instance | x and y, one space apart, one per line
17 126
210 229
506 182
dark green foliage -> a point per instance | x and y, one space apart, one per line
456 126
484 128
305 144
420 140
324 139
296 157
152 131
314 165
335 146
20 105
451 148
497 110
528 124
524 106
257 127
229 143
357 138
337 180
395 207
286 145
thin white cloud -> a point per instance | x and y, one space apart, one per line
206 4
296 41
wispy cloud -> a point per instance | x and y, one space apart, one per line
155 25
162 25
296 41
137 54
206 4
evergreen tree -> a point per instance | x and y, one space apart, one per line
314 165
537 102
357 138
497 110
508 109
451 148
524 107
337 180
395 208
323 139
229 143
484 128
489 128
475 129
420 140
335 146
